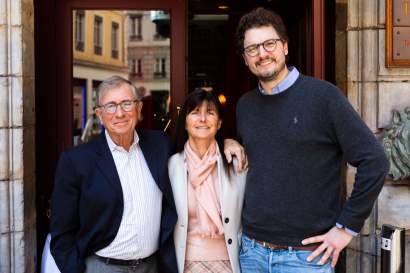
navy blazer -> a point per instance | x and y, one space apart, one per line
87 201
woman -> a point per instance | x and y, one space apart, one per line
208 193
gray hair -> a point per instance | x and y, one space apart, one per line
112 83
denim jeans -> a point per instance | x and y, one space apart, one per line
254 258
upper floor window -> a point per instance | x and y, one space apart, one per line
98 33
159 69
136 27
136 67
79 30
114 40
139 68
133 67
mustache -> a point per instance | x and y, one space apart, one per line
264 59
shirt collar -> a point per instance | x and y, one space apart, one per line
114 147
287 82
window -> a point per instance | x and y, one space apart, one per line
98 24
136 67
157 65
133 67
114 40
79 30
136 27
159 70
139 68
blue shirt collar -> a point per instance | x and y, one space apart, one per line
287 82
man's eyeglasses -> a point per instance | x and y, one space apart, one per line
111 107
268 45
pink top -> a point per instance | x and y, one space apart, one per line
205 238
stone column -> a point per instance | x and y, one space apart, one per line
17 188
375 90
394 94
362 92
363 49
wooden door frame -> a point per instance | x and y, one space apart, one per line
318 41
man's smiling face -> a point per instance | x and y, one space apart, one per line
267 66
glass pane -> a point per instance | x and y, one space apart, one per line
133 44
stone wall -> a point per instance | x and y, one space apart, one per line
375 90
17 188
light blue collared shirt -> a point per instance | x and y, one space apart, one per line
348 230
287 82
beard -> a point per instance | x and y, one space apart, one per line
271 75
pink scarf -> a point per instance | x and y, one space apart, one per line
203 180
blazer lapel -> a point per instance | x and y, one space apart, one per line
148 150
222 177
181 186
106 164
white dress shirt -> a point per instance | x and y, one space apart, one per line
48 265
138 234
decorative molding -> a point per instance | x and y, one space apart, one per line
396 143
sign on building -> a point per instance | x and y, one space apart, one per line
398 33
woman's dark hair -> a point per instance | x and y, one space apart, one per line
259 17
193 100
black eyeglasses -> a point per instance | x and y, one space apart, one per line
268 45
111 107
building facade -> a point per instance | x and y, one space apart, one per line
99 51
149 62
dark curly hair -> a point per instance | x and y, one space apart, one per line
259 17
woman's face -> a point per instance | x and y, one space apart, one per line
203 122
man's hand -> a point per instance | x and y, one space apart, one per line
233 148
333 242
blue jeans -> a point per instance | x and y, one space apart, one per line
254 258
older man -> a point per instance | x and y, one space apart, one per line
112 205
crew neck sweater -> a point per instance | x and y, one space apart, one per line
296 142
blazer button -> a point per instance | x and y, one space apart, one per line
226 220
229 241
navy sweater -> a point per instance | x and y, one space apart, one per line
296 142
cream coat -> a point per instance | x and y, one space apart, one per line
232 191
